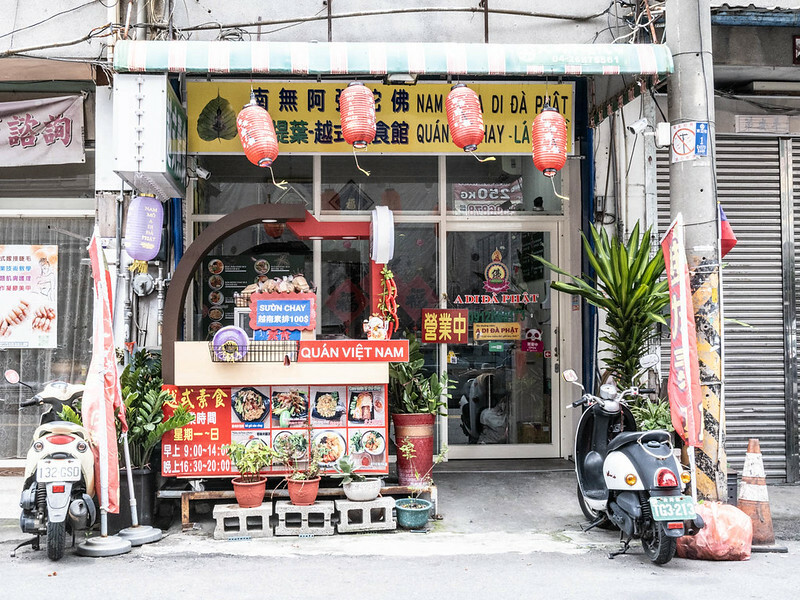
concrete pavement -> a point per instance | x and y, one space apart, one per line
488 507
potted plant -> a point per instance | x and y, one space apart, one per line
140 383
416 398
653 414
303 480
413 511
249 459
357 487
628 286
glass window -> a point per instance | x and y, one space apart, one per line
234 183
505 186
502 377
49 181
69 360
403 183
345 287
243 258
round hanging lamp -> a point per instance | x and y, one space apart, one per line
549 135
257 134
357 112
464 117
143 230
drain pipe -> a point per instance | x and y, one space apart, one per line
160 301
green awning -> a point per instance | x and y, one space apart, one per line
366 58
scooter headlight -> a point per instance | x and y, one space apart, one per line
38 446
630 479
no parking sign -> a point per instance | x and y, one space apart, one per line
689 140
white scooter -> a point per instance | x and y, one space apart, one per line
630 479
59 471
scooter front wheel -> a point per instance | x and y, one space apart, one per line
657 545
56 539
592 514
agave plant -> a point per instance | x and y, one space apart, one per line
629 288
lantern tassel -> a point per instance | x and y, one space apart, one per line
138 266
281 185
553 181
364 171
483 160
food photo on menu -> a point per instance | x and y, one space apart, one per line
250 406
290 407
366 406
368 447
328 406
332 446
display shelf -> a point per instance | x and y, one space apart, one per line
259 352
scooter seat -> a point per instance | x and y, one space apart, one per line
631 437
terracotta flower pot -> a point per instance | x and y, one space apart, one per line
416 428
303 492
249 494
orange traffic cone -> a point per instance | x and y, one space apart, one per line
753 499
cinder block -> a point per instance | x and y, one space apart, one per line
375 515
316 519
236 522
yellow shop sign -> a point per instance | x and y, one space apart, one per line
410 118
496 331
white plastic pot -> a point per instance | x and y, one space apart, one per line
363 491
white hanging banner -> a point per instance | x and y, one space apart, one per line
46 131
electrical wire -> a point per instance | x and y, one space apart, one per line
53 16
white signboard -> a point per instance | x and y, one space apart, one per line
28 296
689 141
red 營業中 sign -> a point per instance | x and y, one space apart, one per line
445 326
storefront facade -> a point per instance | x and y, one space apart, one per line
465 230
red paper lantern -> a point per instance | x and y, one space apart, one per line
357 111
464 117
549 134
257 134
143 228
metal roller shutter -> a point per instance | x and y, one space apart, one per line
795 149
749 189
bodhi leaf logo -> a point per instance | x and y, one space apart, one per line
217 120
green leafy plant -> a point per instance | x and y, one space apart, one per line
71 415
346 470
303 466
409 452
249 459
411 390
144 403
629 288
652 414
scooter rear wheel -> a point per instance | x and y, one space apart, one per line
657 545
56 540
592 514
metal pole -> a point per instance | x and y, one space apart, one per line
693 193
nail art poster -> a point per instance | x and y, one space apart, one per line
28 296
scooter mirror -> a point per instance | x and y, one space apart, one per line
570 376
11 376
649 360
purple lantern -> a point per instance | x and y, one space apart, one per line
143 229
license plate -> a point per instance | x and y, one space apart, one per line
672 508
58 470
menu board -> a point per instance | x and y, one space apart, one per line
221 276
341 418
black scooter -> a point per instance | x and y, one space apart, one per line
630 479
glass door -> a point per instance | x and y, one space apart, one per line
504 404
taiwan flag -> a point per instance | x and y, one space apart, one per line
727 240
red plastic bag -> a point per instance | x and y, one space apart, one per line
728 534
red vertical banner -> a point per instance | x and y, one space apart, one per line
685 396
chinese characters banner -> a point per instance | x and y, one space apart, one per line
409 118
341 419
47 131
28 296
685 398
440 326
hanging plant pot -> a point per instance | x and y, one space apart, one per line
413 513
249 494
303 492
